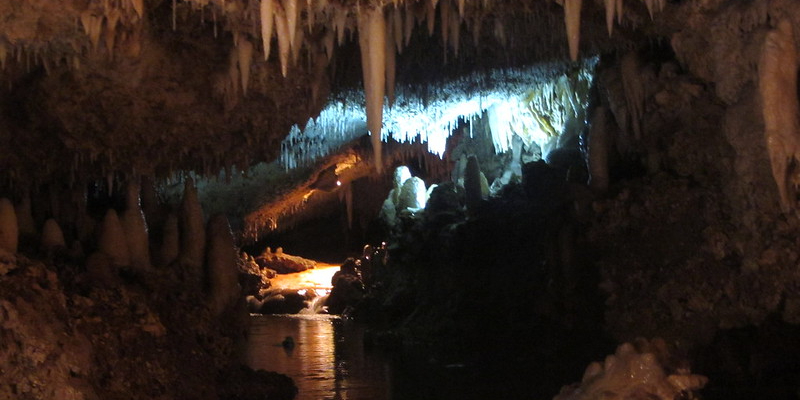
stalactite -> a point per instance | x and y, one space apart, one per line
408 25
390 63
135 227
340 23
610 8
9 228
397 29
266 10
284 39
372 41
291 12
138 6
223 274
777 84
111 240
572 19
430 16
245 55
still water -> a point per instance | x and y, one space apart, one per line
327 360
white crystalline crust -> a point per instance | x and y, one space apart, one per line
509 96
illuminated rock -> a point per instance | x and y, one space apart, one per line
9 230
413 194
632 373
223 273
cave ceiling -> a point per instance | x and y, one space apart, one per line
91 88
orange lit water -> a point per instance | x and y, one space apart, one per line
327 361
316 278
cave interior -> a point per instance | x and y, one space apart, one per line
544 182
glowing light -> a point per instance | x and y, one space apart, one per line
338 183
534 103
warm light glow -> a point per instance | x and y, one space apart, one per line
317 279
338 183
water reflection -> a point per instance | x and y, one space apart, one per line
327 360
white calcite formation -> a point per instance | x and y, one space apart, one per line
633 374
413 194
223 273
192 228
52 236
111 240
777 73
9 229
135 226
532 103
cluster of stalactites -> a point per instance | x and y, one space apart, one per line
108 25
384 30
614 10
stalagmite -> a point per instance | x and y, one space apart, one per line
472 185
9 229
170 242
777 85
245 54
135 227
572 19
372 41
598 151
52 236
266 11
412 194
111 240
192 228
284 40
223 273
